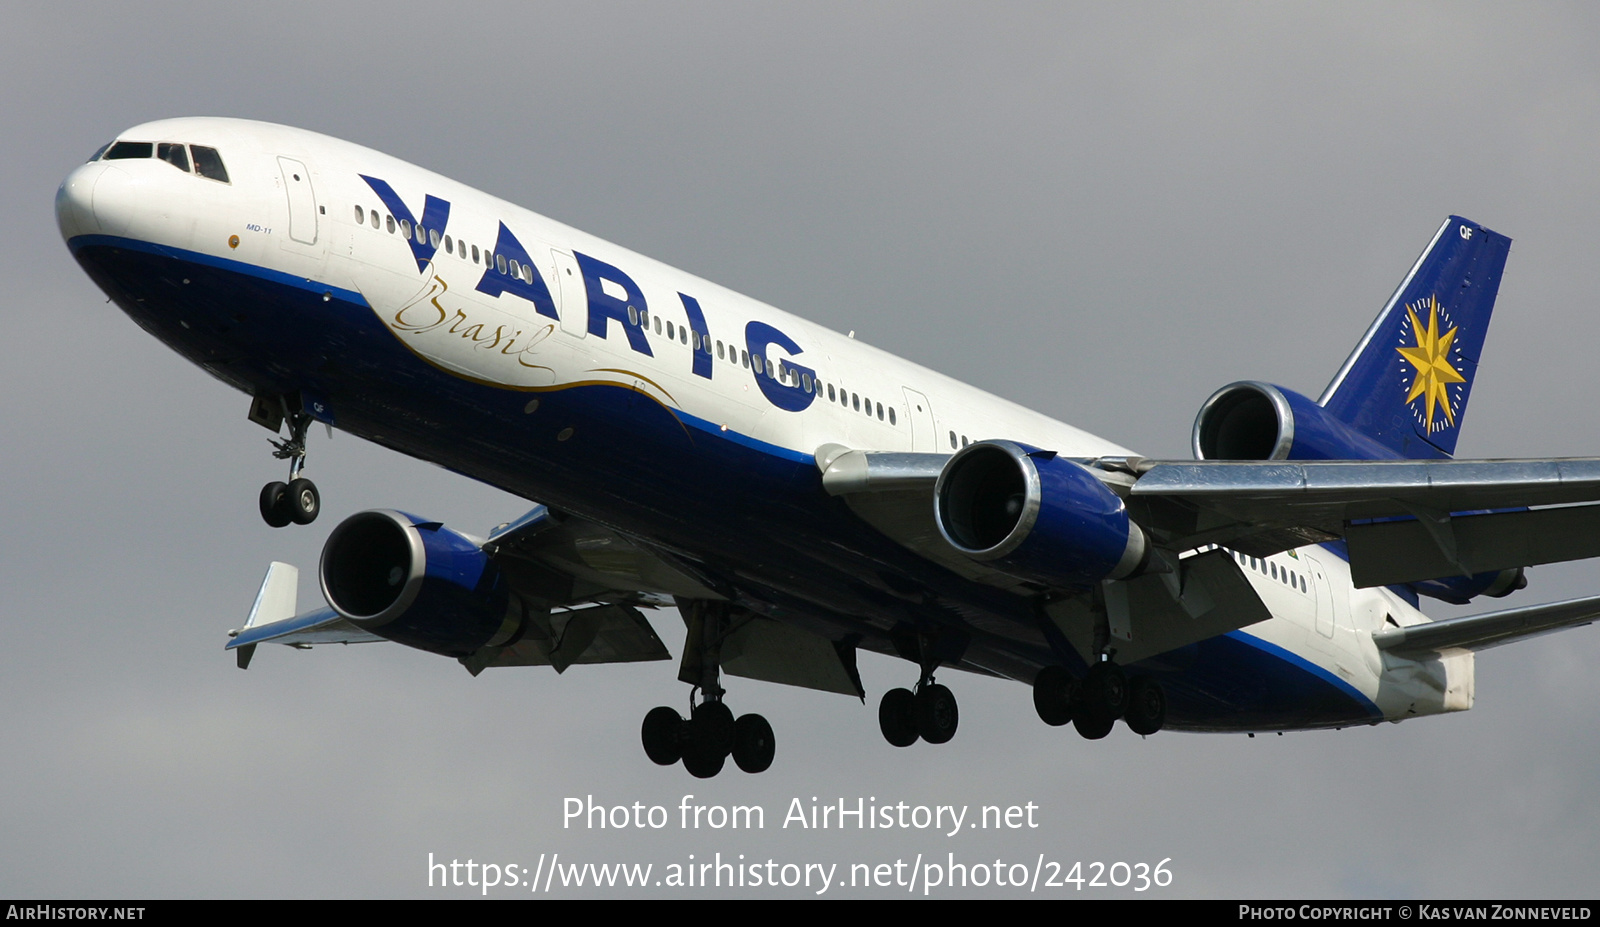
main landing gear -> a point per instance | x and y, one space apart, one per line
296 501
928 714
1093 704
710 734
706 740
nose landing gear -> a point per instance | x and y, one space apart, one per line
296 501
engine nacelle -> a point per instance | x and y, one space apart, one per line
1258 421
417 583
1036 516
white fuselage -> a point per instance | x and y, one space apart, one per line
724 374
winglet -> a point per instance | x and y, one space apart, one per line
274 602
1408 381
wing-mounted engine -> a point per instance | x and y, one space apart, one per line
1250 420
540 591
417 583
1035 515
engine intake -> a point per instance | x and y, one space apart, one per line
1036 516
417 583
1250 420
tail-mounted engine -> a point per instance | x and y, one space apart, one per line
417 583
1249 420
1036 516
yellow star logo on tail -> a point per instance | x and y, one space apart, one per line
1431 357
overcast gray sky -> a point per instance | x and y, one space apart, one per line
1100 212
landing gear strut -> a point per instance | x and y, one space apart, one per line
296 501
711 734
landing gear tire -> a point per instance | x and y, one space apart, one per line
1092 723
1105 689
937 715
703 765
662 734
712 730
1147 706
1053 692
897 717
753 743
275 505
304 502
710 740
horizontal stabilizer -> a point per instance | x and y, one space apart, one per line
1480 632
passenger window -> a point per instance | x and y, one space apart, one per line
474 254
375 223
744 358
389 221
683 334
880 411
500 263
405 227
449 247
720 354
697 341
805 381
830 392
754 361
174 154
207 163
855 401
633 316
433 236
129 150
891 415
361 215
671 332
952 440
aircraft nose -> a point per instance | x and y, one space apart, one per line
75 202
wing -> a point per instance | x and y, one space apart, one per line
574 590
1405 520
578 586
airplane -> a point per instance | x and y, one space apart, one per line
800 496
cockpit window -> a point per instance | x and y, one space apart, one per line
174 154
125 150
207 163
100 152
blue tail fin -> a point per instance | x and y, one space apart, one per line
1408 381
